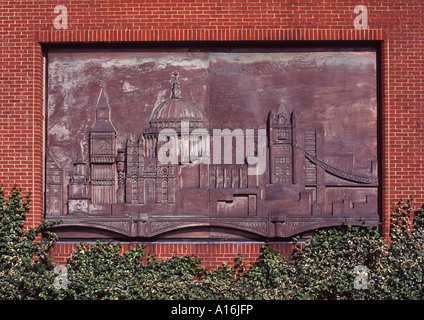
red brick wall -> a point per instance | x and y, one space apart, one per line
27 24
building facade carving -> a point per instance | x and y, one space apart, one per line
127 189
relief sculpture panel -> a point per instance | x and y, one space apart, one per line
211 143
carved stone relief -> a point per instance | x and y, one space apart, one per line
257 143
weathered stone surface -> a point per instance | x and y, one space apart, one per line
257 144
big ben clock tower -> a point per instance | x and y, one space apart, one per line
103 155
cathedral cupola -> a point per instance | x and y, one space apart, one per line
171 112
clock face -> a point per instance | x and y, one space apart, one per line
102 146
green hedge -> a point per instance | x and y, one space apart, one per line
337 263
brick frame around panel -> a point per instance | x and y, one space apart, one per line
215 253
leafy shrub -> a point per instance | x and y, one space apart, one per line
100 271
24 271
224 283
324 268
174 278
406 252
270 277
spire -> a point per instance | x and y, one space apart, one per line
283 115
102 121
283 107
176 90
102 109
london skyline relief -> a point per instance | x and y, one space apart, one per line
192 144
